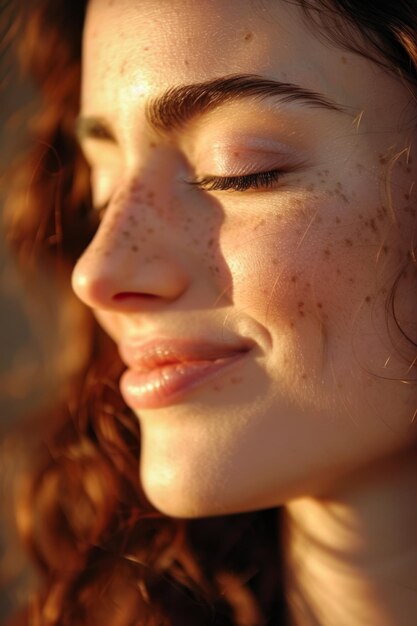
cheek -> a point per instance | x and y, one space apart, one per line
273 262
316 281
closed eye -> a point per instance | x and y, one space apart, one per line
258 180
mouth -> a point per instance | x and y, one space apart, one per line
166 381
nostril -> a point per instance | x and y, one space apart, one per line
133 294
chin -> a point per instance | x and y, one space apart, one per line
178 496
178 502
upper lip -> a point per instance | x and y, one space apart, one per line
147 355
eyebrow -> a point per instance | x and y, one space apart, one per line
178 106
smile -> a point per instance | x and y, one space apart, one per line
167 384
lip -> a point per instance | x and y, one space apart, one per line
162 371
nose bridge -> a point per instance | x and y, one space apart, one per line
132 251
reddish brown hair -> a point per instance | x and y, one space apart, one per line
104 554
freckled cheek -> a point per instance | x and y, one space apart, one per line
298 272
270 274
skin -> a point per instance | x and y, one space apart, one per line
317 417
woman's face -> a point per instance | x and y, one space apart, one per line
297 265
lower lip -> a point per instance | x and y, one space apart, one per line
165 385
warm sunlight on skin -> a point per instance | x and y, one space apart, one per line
300 269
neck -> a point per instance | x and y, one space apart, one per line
350 557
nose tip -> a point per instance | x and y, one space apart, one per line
115 280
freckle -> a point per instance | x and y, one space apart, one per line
248 36
381 213
368 299
348 242
216 269
351 280
373 225
275 261
385 249
146 48
308 285
236 379
300 305
344 60
327 252
134 248
210 242
319 305
411 210
408 169
293 279
125 233
292 324
339 185
304 376
186 62
122 68
338 272
382 159
150 230
338 220
407 196
236 154
359 167
301 313
259 224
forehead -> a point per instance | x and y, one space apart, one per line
136 49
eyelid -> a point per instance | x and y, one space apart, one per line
243 162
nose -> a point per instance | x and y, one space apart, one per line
131 261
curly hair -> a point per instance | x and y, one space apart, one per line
105 555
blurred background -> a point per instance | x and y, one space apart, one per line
21 360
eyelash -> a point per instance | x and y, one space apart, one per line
257 180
